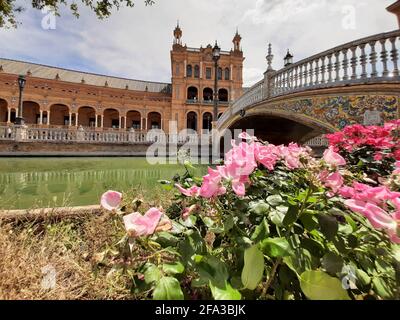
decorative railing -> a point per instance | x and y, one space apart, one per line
319 141
7 133
372 59
81 135
360 61
50 134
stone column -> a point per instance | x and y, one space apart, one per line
95 120
48 117
125 122
102 121
142 124
70 119
199 122
120 122
8 115
41 117
76 119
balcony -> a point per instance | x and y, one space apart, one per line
207 102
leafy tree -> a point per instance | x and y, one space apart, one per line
9 9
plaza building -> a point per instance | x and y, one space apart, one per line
57 97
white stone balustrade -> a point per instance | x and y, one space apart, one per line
82 135
319 141
372 59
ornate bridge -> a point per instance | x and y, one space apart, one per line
357 82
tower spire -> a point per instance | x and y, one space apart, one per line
177 34
269 57
236 41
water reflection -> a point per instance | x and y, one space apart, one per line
72 183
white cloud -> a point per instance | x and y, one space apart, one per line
135 42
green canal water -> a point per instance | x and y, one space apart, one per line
53 182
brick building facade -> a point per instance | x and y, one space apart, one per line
66 98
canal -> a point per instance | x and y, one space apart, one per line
53 182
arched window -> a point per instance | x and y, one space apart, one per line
191 122
207 121
208 73
219 73
111 119
196 71
133 119
192 93
189 70
59 115
208 94
3 110
227 74
154 120
223 95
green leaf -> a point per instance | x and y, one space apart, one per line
351 222
317 285
363 278
228 223
225 293
277 217
259 207
192 244
299 261
290 216
253 269
212 269
168 288
261 231
329 226
173 268
332 263
152 273
382 288
275 247
309 221
274 200
166 239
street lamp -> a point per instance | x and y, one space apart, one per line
216 52
288 60
21 83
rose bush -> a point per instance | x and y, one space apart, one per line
273 222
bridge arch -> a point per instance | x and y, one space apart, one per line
279 126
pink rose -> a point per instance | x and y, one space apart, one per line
111 200
333 158
138 225
191 192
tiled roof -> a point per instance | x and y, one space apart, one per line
48 72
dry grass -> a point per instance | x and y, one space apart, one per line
31 250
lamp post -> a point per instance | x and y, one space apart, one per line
216 55
21 83
288 60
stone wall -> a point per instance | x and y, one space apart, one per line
12 148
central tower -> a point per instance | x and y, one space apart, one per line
193 77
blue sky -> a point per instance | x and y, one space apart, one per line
135 42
